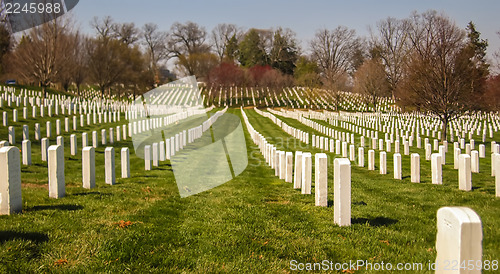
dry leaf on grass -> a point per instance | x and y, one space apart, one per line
60 262
123 224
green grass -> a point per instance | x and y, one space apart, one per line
254 223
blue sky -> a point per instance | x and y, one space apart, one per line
304 17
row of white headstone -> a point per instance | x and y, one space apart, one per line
459 236
64 102
47 108
299 171
465 163
296 133
10 167
389 123
165 150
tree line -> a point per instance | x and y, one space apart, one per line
425 61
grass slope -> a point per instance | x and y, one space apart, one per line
253 223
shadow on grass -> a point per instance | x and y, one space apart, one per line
67 207
378 221
92 193
360 203
10 235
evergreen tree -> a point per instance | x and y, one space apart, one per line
5 43
474 57
307 73
284 52
231 52
252 50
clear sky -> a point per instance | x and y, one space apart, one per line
303 17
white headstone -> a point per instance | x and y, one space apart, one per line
26 132
162 150
415 168
111 135
442 151
398 174
321 179
95 143
109 165
85 139
371 159
5 119
125 160
464 173
49 131
10 181
361 157
156 152
306 172
352 153
12 136
497 178
167 149
456 153
289 167
44 148
383 162
342 192
281 164
147 157
26 146
88 167
103 136
459 239
73 144
482 151
297 176
58 127
406 148
57 188
37 131
428 152
474 161
437 169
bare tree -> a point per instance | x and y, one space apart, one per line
125 32
188 38
66 74
370 80
103 27
496 57
80 57
186 41
155 42
332 50
41 54
104 63
221 35
392 44
437 76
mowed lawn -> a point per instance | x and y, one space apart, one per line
254 223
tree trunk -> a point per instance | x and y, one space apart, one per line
445 128
44 92
102 93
